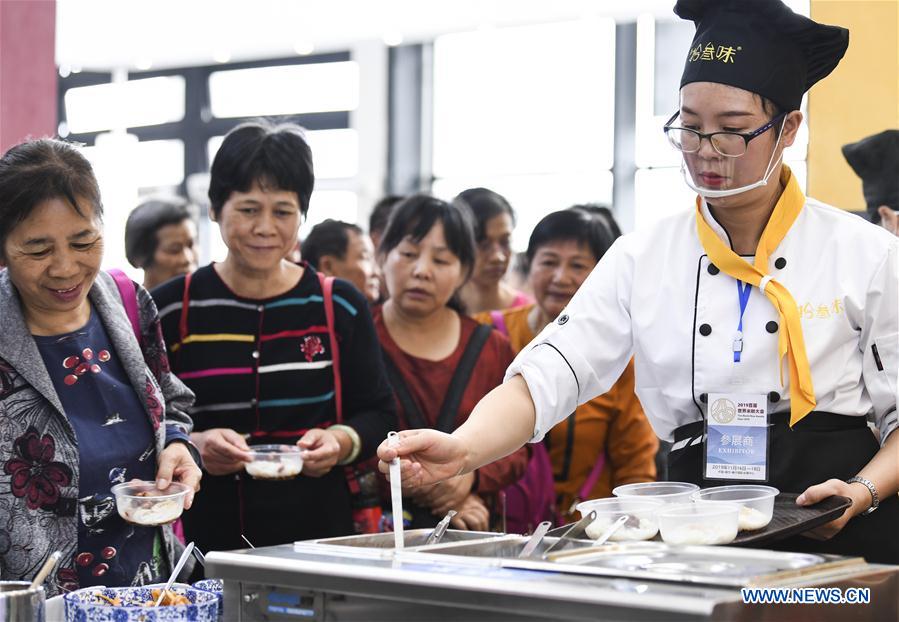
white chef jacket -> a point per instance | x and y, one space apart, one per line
655 295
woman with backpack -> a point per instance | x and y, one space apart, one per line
440 361
606 442
87 400
275 353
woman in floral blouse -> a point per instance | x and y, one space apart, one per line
86 399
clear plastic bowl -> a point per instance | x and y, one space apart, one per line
275 462
642 523
142 503
699 523
669 492
757 502
86 605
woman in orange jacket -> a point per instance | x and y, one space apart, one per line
607 441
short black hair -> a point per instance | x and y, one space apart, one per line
604 214
380 213
485 205
577 225
39 170
145 221
275 156
414 217
330 237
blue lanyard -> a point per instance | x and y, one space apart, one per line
743 291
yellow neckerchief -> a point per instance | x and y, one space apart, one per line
790 340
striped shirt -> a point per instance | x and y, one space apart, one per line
263 367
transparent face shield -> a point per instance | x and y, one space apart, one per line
716 164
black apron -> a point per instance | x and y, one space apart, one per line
821 446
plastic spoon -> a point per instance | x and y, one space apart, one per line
396 494
45 569
181 561
610 530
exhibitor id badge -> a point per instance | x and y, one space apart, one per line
736 445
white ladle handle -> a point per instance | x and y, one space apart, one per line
396 494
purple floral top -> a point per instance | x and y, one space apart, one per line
48 465
115 444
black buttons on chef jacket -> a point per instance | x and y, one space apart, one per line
713 269
771 327
703 397
780 263
563 318
774 397
705 330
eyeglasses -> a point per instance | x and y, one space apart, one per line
728 144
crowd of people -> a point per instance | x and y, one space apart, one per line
417 325
242 352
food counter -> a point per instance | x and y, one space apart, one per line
481 577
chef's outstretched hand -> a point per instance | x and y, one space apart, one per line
426 457
861 500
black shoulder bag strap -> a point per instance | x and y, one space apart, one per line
413 415
450 408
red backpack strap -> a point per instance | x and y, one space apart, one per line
327 283
128 294
499 322
185 305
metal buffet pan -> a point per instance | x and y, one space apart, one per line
500 552
380 545
656 561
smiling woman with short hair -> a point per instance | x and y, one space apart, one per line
86 397
250 336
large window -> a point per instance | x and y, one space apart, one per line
133 103
287 89
157 132
527 112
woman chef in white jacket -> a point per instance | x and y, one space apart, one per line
758 314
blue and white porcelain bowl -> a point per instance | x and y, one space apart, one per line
217 587
84 605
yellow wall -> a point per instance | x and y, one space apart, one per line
860 98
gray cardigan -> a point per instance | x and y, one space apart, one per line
38 447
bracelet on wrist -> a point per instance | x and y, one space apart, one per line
356 446
875 498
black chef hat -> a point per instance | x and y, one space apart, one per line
760 46
876 160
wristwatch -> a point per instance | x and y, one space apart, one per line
875 499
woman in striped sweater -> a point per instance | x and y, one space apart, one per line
250 337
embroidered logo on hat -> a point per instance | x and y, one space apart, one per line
722 53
